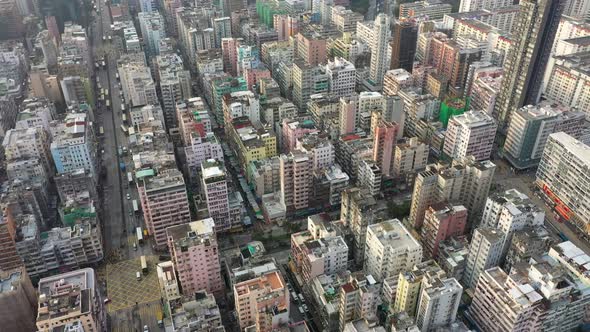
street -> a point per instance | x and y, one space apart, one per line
119 222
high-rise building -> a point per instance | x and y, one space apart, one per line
441 222
194 252
9 258
475 5
71 301
433 9
384 134
262 303
358 299
485 252
137 84
561 175
73 146
341 77
164 203
380 52
390 250
409 285
409 156
530 128
439 303
535 296
403 45
348 115
18 297
466 182
152 30
470 134
311 48
509 212
222 29
217 196
358 210
525 63
296 180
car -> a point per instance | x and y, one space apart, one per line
131 213
300 310
128 196
146 329
134 246
107 300
160 323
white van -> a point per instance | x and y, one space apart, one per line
138 275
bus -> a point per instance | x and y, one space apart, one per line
135 206
144 267
124 129
139 235
129 177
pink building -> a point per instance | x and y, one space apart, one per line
442 221
286 26
384 134
53 29
254 75
229 51
294 130
312 49
164 203
262 303
193 249
348 115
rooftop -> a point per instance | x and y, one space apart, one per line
193 233
393 233
575 147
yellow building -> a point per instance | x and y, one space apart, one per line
409 285
251 143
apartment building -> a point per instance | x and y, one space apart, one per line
470 134
390 249
164 203
439 303
466 182
70 300
295 171
292 130
19 298
319 148
73 144
262 303
137 84
530 128
201 313
193 248
410 283
441 222
167 280
217 196
152 30
325 255
384 135
485 252
358 299
434 9
568 81
409 156
358 210
538 295
562 178
341 77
